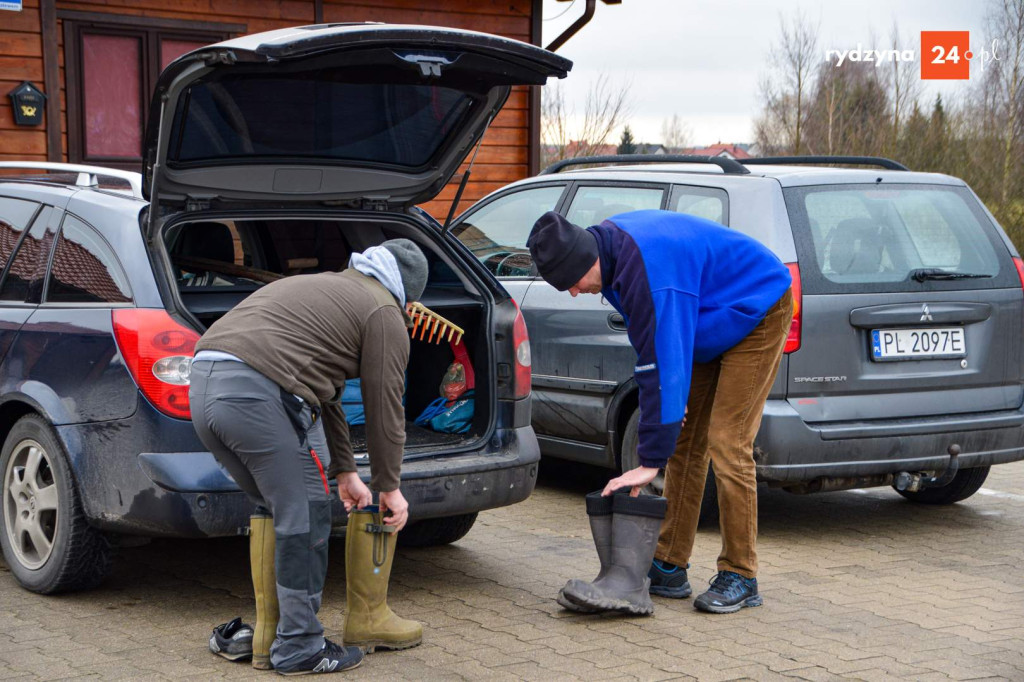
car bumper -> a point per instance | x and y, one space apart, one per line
790 450
185 493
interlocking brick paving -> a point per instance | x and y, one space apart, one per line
857 585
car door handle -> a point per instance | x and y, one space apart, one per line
617 322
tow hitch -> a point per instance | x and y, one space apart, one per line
913 482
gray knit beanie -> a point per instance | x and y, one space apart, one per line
412 264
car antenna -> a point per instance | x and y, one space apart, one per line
464 181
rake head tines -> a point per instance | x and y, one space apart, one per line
426 320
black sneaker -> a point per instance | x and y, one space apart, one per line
232 640
669 581
729 593
333 658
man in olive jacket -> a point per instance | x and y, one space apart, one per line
264 388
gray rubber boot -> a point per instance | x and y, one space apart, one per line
599 509
636 522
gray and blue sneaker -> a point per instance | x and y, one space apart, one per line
232 640
669 580
729 592
333 658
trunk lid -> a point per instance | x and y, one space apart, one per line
913 306
374 115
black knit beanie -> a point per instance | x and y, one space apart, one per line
562 252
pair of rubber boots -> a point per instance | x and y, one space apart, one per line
625 531
370 623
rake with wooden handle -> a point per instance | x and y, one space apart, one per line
427 321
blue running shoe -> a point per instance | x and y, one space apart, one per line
669 581
729 592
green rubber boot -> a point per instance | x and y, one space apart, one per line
369 551
264 584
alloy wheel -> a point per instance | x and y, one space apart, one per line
31 503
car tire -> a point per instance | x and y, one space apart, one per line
46 541
964 484
629 460
436 532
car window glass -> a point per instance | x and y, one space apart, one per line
591 205
322 113
15 215
84 268
703 202
23 279
497 233
935 241
879 234
217 254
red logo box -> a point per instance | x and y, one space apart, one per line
945 55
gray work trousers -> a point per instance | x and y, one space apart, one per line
241 417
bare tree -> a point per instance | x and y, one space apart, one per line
794 61
1006 24
554 124
675 134
904 85
832 91
565 135
847 111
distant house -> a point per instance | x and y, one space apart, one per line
730 151
657 149
584 148
578 148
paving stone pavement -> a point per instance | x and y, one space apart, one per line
857 585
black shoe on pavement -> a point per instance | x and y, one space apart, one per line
232 640
333 658
668 580
729 593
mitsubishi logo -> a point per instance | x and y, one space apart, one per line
926 315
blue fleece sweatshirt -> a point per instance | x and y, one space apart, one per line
690 290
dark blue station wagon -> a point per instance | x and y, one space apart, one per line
266 156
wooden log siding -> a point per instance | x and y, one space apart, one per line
21 59
504 154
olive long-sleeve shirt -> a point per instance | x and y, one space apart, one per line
308 334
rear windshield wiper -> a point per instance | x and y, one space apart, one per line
923 274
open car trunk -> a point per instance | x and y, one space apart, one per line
216 264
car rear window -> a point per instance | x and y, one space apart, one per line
894 237
313 114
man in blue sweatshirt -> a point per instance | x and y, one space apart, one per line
708 311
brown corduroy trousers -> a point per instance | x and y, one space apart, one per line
727 398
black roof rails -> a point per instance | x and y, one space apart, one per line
879 161
726 164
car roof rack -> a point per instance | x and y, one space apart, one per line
879 161
87 176
727 165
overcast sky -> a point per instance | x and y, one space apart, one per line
704 59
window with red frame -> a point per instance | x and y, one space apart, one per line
111 72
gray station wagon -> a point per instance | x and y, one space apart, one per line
903 366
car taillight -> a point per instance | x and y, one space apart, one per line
158 352
1020 269
793 340
521 342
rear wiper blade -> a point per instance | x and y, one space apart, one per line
923 274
